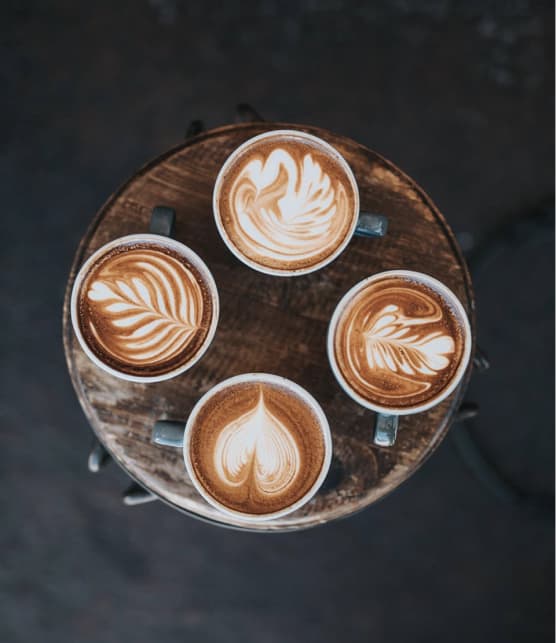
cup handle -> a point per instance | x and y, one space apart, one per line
371 225
386 429
163 221
168 433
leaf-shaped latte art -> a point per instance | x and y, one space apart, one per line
146 307
257 449
287 208
398 343
395 342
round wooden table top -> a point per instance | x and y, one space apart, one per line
268 324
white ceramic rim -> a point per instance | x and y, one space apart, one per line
444 292
157 239
294 134
277 381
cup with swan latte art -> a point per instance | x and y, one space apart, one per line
144 307
256 446
286 203
399 342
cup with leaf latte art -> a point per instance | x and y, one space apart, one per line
144 307
257 446
286 203
399 343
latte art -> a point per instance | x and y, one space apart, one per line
256 447
286 204
397 342
144 309
152 315
393 343
286 208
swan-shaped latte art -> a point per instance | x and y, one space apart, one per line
145 307
287 209
257 449
397 345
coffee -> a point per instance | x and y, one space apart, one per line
146 307
399 341
257 446
286 202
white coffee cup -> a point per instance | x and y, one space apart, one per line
363 224
388 416
174 434
162 223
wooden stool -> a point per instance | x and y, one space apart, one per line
268 324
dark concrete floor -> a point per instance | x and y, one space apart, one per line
460 95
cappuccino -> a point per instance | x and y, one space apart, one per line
145 307
257 445
399 342
286 203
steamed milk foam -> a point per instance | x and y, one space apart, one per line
144 309
256 447
398 342
286 202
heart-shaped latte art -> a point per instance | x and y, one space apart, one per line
257 449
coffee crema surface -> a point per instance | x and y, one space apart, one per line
398 343
256 447
287 203
144 309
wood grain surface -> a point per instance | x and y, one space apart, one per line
268 324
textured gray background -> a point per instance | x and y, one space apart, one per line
460 95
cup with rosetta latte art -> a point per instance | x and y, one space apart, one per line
399 343
286 203
145 307
256 446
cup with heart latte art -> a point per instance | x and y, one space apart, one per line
256 446
399 343
145 307
286 203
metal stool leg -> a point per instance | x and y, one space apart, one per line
98 457
247 114
480 360
135 494
466 411
194 128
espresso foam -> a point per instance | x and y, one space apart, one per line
398 343
144 309
286 203
256 447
